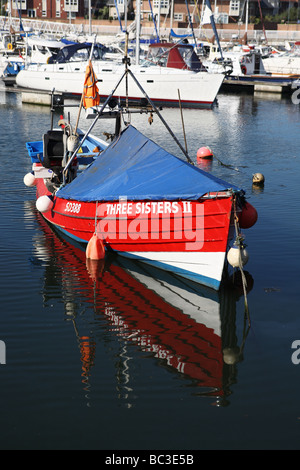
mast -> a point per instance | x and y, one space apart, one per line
90 17
9 12
125 14
172 14
212 21
138 31
158 19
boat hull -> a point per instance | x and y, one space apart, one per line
197 90
188 238
284 65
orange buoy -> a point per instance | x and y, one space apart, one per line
95 268
88 350
204 152
95 248
248 216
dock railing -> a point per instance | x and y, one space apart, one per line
59 29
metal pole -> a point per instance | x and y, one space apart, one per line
138 31
182 121
247 16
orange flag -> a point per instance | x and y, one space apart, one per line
91 96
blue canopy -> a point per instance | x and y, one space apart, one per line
69 52
175 35
135 167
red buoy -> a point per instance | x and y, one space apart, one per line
248 216
204 164
95 248
204 152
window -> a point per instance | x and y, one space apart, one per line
31 13
44 7
121 6
19 5
71 5
57 8
234 8
178 16
221 18
164 6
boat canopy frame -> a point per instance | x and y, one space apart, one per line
106 103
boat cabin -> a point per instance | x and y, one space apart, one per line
78 53
178 56
40 50
295 51
7 41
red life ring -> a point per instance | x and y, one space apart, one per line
244 69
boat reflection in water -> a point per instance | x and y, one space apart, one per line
187 328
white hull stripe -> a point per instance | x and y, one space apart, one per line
203 267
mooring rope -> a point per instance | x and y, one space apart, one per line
240 245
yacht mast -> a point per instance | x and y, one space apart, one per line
138 31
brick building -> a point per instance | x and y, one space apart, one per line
172 13
50 9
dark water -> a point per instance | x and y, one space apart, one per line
110 357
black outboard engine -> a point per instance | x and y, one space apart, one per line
54 150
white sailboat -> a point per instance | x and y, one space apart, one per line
31 50
197 88
286 63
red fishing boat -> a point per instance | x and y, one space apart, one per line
138 200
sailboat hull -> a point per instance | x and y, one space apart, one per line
160 83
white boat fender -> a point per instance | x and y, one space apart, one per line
237 256
258 178
62 123
29 179
72 143
231 355
44 204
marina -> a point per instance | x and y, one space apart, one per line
112 355
149 219
163 65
